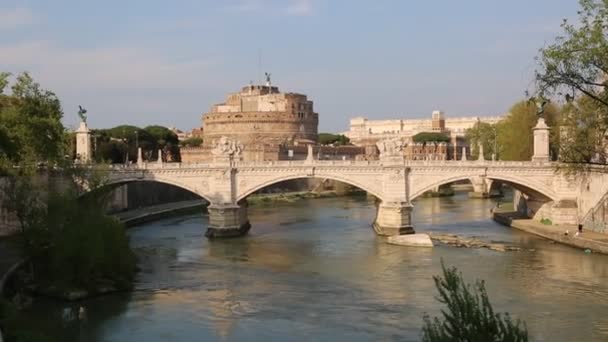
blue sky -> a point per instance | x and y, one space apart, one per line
166 62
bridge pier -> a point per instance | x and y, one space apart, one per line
227 220
393 218
481 187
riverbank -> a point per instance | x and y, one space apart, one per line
290 197
596 242
156 212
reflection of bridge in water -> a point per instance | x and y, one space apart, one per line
395 182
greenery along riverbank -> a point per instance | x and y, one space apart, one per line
262 199
72 249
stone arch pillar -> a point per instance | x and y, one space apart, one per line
481 187
393 218
228 220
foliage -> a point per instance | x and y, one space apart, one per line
487 135
577 61
332 139
121 142
69 240
546 221
515 133
469 316
577 64
583 134
30 122
192 142
424 137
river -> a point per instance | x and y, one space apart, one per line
315 271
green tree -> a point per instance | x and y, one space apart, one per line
515 133
332 139
192 142
576 65
583 134
424 137
469 316
30 122
485 134
578 60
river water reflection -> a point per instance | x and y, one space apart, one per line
314 270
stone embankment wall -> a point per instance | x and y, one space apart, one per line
597 218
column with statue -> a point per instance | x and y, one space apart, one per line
83 138
541 133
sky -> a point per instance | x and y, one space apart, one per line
146 62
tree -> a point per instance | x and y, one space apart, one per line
424 137
487 135
577 64
333 139
515 132
192 142
582 134
30 122
578 60
469 316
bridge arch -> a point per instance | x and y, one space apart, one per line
525 186
277 180
170 181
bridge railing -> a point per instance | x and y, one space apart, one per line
287 163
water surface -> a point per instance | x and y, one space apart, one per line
315 270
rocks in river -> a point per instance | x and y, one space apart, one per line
411 240
457 241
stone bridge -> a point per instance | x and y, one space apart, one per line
395 183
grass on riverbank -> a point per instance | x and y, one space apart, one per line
291 197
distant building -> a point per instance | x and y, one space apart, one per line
363 131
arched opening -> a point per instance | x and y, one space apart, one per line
323 179
512 196
134 198
298 190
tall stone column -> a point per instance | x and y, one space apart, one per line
83 143
393 218
227 220
541 141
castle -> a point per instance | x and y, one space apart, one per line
269 124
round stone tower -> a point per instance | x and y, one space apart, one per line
261 115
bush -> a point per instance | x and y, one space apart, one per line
332 139
469 315
191 142
424 137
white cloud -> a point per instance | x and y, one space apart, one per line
15 17
300 7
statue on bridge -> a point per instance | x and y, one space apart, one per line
390 147
540 103
82 113
226 147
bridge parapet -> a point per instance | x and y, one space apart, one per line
395 182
